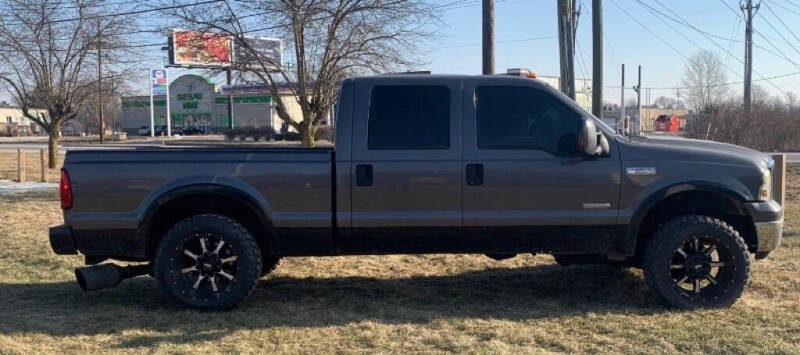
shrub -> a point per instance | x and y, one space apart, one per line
288 136
230 134
324 133
265 133
243 133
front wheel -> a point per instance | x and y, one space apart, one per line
208 262
697 262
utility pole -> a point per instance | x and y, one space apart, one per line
749 11
100 82
567 24
622 102
230 99
636 126
488 37
597 58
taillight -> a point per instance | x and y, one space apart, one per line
65 187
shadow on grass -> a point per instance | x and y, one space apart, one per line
62 309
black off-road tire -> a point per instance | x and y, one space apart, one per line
664 265
269 264
171 261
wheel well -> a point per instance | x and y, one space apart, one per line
171 212
700 203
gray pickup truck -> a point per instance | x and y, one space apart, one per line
495 165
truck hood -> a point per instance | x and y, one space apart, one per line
695 149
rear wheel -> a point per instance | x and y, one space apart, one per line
208 262
697 262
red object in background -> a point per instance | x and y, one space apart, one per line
665 123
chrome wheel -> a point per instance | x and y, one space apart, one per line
209 264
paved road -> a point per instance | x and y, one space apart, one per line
38 146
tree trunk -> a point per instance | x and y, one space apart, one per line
307 135
52 150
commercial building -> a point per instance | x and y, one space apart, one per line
196 102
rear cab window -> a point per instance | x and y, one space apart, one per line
409 117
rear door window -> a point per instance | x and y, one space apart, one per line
409 117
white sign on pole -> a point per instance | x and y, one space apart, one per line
169 118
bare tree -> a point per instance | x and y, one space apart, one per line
704 75
666 102
48 54
328 40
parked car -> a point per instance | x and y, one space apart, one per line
190 131
494 165
159 130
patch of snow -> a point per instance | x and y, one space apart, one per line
8 187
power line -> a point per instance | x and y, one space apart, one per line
784 25
607 44
685 23
717 85
498 42
651 31
788 9
660 16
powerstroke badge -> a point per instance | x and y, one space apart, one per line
640 171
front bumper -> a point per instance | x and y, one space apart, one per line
769 235
62 240
768 219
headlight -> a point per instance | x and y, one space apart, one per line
765 192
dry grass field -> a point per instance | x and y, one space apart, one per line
33 166
387 304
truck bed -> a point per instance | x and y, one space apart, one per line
115 189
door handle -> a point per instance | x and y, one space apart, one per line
474 174
363 175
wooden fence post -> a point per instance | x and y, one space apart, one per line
43 159
21 165
780 178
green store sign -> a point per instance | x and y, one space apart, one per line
190 96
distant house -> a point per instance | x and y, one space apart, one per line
14 123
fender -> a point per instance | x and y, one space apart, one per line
221 190
628 243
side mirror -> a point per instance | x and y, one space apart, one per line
603 148
592 142
587 141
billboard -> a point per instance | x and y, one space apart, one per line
199 49
252 51
213 50
158 80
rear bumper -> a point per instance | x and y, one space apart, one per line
62 241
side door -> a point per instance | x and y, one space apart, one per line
406 163
525 182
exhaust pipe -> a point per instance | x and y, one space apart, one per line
101 276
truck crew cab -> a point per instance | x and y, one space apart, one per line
495 165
